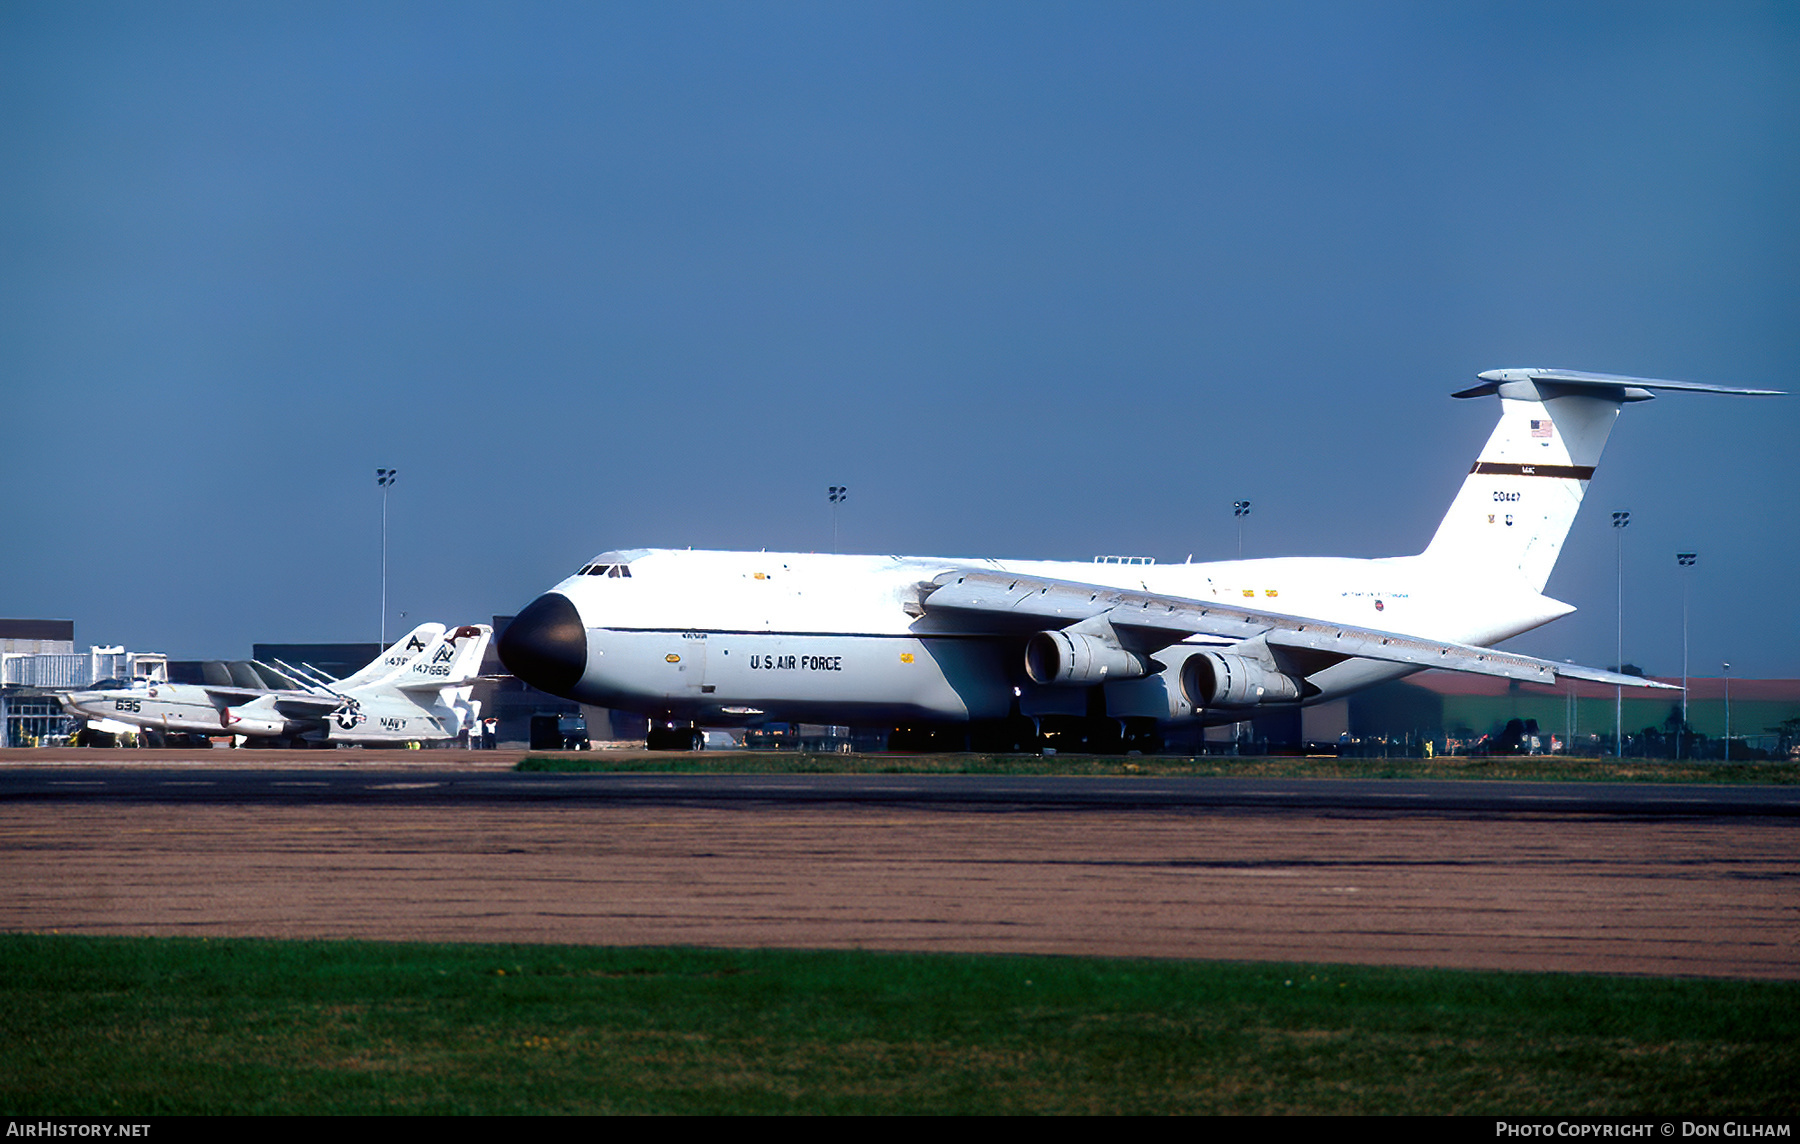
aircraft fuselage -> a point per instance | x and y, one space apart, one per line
192 709
723 638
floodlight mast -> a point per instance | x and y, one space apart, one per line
1620 520
1727 668
384 478
1684 560
837 495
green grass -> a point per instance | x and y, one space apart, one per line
1540 768
116 1026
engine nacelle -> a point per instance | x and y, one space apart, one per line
250 720
1219 679
1073 658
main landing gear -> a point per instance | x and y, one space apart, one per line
1097 733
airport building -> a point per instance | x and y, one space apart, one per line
38 659
1462 712
41 653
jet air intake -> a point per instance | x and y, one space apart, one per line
1219 679
1073 658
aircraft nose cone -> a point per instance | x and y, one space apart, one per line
545 645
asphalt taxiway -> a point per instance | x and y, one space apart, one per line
1633 878
429 786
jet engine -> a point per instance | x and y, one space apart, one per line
249 720
1219 679
1076 658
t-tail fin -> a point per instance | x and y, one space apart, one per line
470 641
1520 498
471 649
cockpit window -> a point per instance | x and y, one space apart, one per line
614 562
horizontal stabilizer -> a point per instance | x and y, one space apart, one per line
1493 379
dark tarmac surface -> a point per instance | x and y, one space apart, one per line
381 782
1616 878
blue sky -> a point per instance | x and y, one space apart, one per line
1035 280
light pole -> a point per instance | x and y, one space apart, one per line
837 495
1684 560
1570 748
1240 509
1620 520
1727 712
385 478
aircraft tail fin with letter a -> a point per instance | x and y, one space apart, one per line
1520 498
396 659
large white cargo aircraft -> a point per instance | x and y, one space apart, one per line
1110 654
415 692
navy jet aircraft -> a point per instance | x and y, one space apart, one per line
1120 651
417 691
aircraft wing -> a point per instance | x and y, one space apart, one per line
1147 622
306 701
